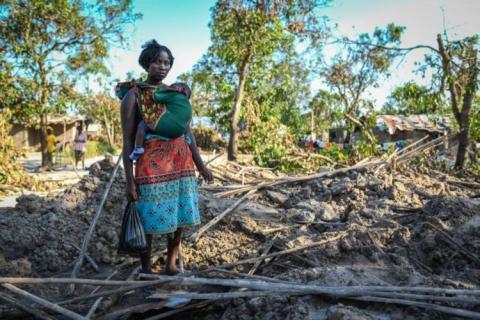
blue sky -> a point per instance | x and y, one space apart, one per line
182 25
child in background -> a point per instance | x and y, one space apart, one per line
51 145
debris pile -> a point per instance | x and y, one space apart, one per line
41 235
393 227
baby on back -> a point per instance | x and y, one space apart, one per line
171 123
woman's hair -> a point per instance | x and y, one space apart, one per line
151 51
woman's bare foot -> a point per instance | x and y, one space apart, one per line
171 270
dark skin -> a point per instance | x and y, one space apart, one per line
157 71
80 130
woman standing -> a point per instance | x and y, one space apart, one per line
164 186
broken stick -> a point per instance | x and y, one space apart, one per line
25 307
283 252
264 253
88 235
194 237
45 303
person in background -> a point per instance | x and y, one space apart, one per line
51 144
79 146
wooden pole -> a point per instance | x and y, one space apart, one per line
18 304
45 303
310 289
88 235
221 295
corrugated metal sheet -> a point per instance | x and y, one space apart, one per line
413 122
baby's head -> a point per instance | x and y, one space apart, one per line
182 87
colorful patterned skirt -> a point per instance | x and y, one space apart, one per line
168 192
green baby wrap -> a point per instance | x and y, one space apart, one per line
174 121
166 112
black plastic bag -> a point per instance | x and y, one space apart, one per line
132 235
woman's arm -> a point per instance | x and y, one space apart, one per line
128 112
207 175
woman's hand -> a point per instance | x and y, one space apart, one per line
206 174
132 193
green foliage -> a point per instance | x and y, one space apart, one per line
11 172
475 121
361 64
334 153
411 98
102 109
364 149
52 43
251 66
327 110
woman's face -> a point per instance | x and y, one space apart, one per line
158 69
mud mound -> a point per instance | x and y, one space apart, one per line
446 239
453 211
44 231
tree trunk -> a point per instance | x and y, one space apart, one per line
232 143
109 135
43 139
462 143
470 92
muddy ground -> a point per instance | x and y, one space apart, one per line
415 228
